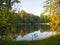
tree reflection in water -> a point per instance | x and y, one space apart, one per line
26 29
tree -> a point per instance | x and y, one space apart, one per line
44 18
52 9
8 24
8 3
22 13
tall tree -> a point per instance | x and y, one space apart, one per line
52 7
8 3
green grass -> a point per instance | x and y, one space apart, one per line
50 41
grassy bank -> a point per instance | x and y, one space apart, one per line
50 41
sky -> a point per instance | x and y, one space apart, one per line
31 6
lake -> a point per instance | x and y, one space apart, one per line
29 32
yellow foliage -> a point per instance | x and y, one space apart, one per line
55 20
22 13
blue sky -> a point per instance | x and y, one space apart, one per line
32 6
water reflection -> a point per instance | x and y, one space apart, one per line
31 36
27 28
29 32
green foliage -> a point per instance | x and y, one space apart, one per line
3 20
45 18
8 3
8 22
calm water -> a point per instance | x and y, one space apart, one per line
31 36
29 32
